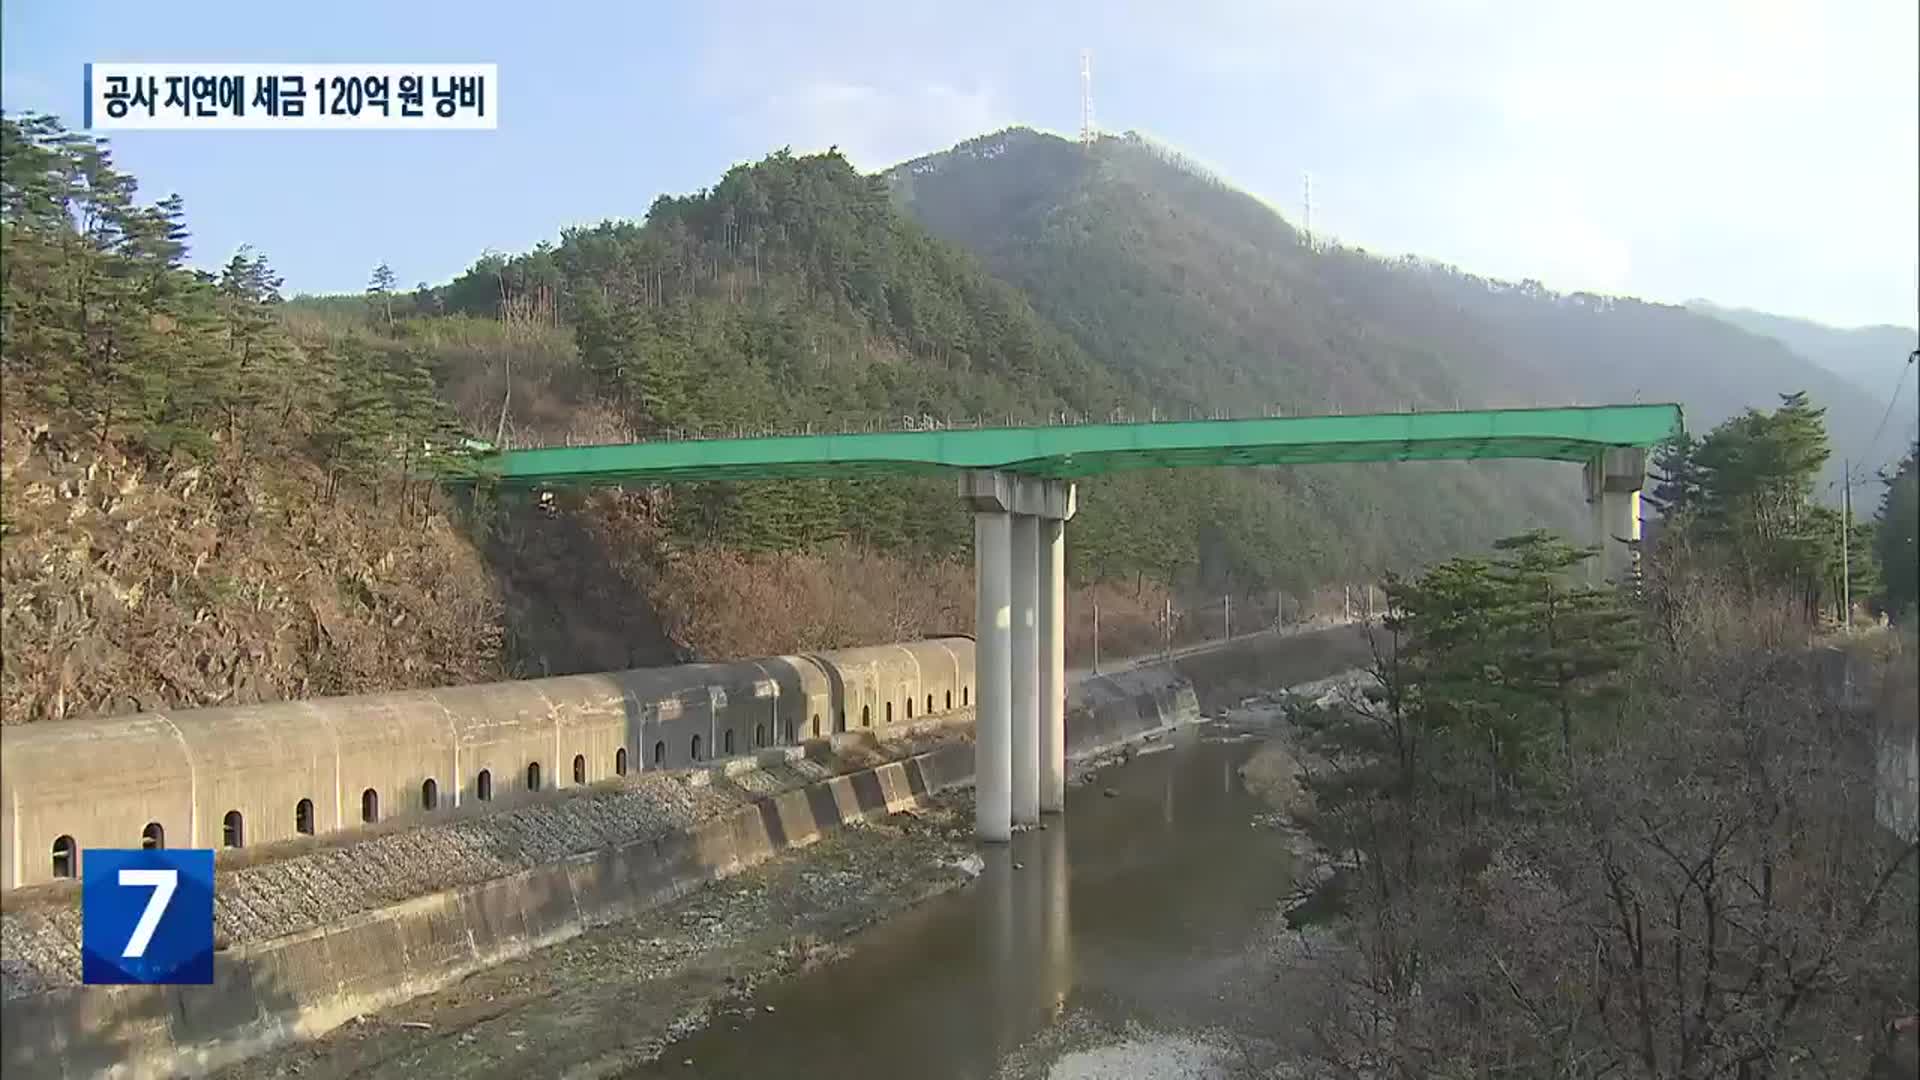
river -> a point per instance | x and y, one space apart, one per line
1137 918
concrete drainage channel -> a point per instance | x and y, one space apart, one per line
294 986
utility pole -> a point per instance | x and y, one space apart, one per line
1167 618
1846 555
1096 637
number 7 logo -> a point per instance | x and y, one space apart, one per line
163 883
146 916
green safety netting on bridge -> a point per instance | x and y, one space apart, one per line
1577 434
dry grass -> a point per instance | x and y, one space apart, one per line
722 603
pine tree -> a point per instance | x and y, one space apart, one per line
1756 474
1894 538
380 289
1676 491
1558 640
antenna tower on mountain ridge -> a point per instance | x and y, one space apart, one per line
1086 97
1306 210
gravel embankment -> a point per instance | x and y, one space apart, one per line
612 998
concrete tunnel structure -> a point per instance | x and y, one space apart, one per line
246 775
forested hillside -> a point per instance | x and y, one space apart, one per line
797 295
1216 300
215 494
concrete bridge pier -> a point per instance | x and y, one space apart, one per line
1613 483
1053 663
1025 644
1019 647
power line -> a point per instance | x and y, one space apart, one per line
1899 385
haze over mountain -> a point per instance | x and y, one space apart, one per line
1217 301
1869 356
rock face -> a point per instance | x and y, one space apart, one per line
133 587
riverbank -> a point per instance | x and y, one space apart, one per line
610 998
574 929
723 972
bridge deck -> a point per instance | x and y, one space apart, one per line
1576 434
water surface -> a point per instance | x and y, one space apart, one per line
1136 907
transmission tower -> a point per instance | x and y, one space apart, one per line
1306 209
1086 97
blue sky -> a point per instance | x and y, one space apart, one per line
1761 153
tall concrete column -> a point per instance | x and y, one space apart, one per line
1008 657
1053 666
1621 511
992 660
1613 483
1596 539
1026 669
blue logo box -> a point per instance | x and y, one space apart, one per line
146 916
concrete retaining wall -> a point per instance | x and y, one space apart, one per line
303 984
244 776
1104 710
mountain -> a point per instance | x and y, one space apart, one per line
225 487
1869 356
211 494
795 292
1213 300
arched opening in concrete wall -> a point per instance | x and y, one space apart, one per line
659 753
233 830
963 697
759 735
429 794
303 817
949 701
483 785
816 725
890 712
533 776
66 857
909 710
727 742
369 806
579 768
696 748
929 704
620 762
153 837
866 716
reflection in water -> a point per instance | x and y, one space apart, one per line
1025 944
1128 908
